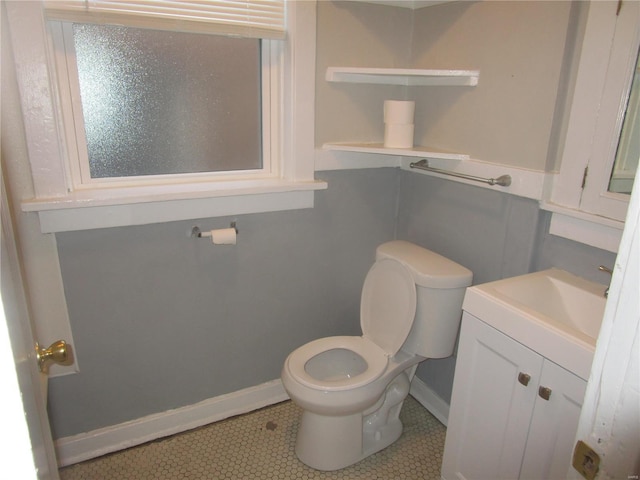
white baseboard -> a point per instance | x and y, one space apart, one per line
430 400
85 446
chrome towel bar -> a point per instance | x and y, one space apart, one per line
503 181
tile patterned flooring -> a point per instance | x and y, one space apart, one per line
260 445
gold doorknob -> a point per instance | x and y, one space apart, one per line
57 352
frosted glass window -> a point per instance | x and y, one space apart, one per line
159 102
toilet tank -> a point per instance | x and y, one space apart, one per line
440 287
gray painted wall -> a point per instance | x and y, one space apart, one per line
489 232
161 320
493 234
577 258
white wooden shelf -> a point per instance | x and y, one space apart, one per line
380 149
411 4
403 76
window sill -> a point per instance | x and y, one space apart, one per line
104 207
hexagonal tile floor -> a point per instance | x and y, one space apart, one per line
260 445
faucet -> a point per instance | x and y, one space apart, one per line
602 268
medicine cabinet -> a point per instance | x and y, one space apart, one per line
584 206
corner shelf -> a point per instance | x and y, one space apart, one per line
403 76
380 149
390 76
411 4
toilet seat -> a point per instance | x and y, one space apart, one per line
387 310
371 353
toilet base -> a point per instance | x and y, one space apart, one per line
329 443
334 442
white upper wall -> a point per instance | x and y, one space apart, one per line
508 119
518 48
351 34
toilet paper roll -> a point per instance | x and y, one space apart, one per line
398 135
223 236
399 111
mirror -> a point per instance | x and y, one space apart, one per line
628 153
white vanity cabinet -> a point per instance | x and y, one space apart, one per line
513 414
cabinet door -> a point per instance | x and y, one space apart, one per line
490 407
553 425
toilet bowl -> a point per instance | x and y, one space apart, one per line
351 388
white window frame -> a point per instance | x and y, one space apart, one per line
593 215
63 207
73 121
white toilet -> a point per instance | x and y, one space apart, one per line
351 389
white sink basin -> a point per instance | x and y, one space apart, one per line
553 312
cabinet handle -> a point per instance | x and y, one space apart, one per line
544 392
524 378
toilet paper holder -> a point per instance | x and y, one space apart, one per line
197 233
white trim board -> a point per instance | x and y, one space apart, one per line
430 400
343 160
524 182
84 446
583 227
104 216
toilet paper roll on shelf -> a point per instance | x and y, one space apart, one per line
399 111
398 123
398 135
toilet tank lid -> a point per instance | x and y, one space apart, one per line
428 268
